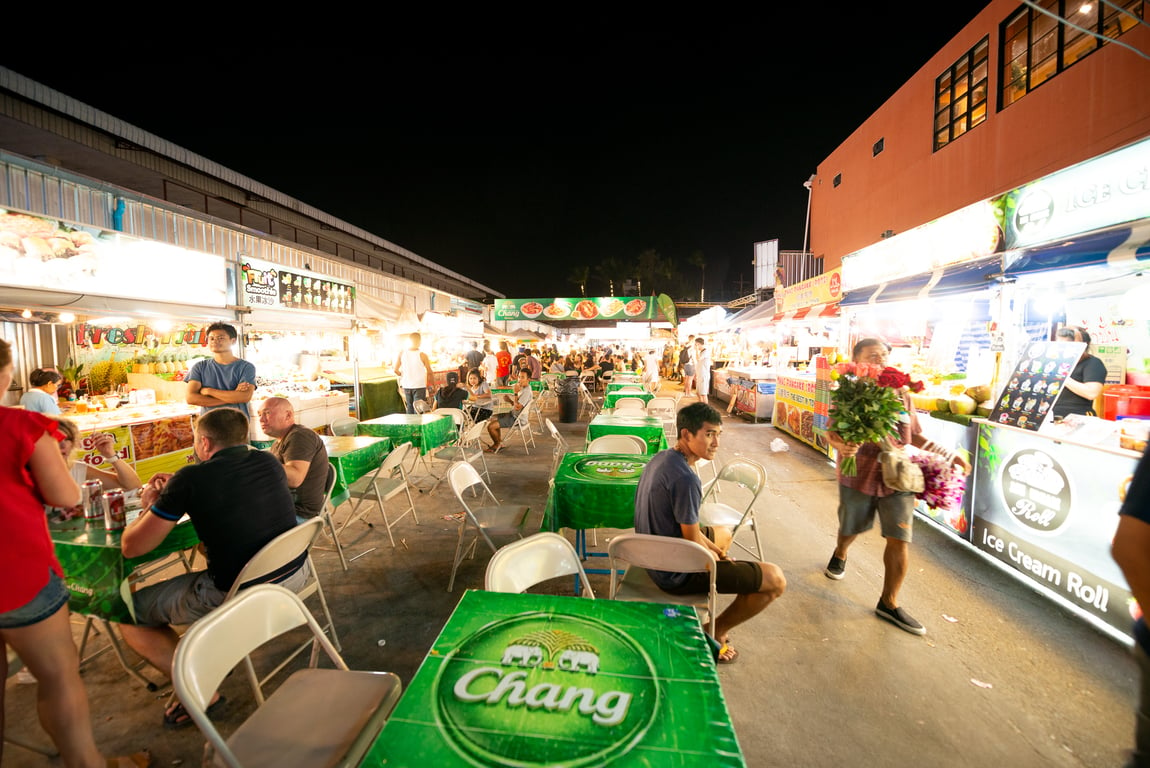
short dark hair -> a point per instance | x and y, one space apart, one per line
1068 332
40 377
225 427
694 416
230 330
862 344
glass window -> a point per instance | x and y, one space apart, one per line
1043 39
960 95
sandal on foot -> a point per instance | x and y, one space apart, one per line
178 717
727 654
493 448
141 759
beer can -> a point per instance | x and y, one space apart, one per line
93 506
114 515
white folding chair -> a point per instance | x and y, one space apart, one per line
586 401
664 408
344 425
380 486
326 513
560 449
641 551
316 717
485 514
617 444
708 472
523 428
273 556
589 379
458 417
630 405
468 448
743 482
522 564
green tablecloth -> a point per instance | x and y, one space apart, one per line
615 386
379 398
548 680
537 386
612 397
97 572
426 431
649 428
594 490
353 457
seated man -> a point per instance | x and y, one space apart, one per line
238 499
302 453
667 504
522 399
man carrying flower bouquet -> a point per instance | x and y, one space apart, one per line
871 411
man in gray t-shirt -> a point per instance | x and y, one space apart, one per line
301 451
667 504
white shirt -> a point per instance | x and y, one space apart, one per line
412 373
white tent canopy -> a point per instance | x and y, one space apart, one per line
708 321
380 315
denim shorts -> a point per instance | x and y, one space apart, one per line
857 512
50 599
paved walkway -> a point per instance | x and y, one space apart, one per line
1003 677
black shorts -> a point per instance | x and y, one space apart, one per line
740 577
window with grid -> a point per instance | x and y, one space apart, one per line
960 95
1036 46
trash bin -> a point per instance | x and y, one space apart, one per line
568 394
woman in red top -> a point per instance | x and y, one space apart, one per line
502 365
34 600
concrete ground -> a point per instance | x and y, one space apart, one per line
1002 677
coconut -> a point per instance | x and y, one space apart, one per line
963 404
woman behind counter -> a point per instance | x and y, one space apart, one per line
41 398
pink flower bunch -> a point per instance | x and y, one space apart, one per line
943 484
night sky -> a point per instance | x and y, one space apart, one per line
514 158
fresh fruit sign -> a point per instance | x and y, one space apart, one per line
602 308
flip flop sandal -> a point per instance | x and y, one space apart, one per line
141 759
179 717
727 654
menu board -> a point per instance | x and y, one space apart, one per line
1033 388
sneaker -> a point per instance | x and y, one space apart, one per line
900 619
836 568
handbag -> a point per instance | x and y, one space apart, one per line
899 473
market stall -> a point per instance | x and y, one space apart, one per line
121 319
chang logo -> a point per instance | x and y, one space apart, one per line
1036 491
617 469
580 691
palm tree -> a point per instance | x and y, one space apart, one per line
696 259
579 277
610 271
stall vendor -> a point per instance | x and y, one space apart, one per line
1086 380
42 396
224 381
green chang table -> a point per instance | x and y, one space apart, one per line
353 457
593 490
97 572
545 680
648 428
613 397
426 431
615 386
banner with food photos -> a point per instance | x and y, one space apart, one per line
600 308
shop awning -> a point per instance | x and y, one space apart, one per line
377 314
1127 245
808 313
945 281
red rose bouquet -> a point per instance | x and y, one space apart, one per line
866 403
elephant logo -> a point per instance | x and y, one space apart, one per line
552 649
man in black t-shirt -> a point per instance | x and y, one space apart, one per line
474 357
238 499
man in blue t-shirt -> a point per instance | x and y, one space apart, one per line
667 504
225 381
1131 550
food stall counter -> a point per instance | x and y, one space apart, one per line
152 438
752 388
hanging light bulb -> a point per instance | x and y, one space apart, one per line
26 314
67 317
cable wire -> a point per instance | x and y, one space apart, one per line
1090 32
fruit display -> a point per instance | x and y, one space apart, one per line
955 396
